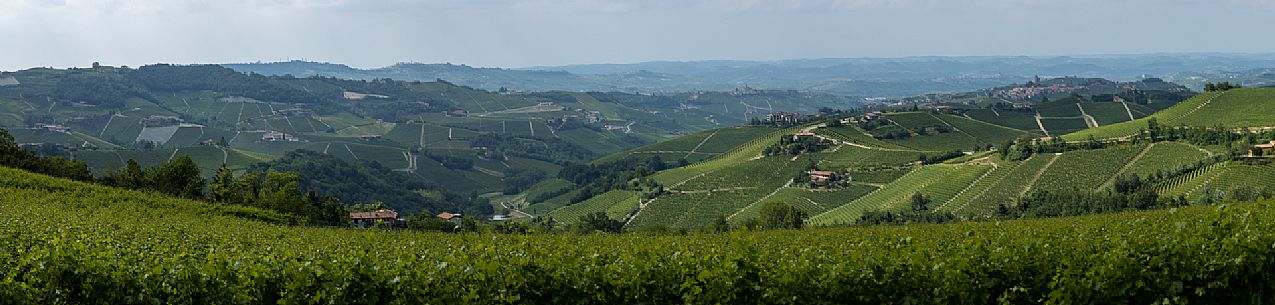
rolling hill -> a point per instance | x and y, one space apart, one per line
457 137
884 172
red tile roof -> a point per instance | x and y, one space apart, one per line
449 216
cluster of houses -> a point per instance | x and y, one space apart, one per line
784 118
866 117
390 218
745 90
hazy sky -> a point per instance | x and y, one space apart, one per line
505 33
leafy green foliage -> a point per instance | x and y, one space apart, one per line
325 174
11 155
127 247
778 215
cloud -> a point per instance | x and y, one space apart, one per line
370 33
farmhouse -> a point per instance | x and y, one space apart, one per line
872 115
802 135
1265 149
208 142
1022 105
827 178
783 118
276 136
369 137
161 120
295 111
382 216
54 128
822 176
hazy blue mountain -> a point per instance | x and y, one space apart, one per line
864 77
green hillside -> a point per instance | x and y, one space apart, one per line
1237 108
114 246
456 137
737 183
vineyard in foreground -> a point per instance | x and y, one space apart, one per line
70 243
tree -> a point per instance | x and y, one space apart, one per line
425 221
920 202
180 178
779 215
327 210
282 192
719 225
224 188
249 187
599 221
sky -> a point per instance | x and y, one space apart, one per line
507 33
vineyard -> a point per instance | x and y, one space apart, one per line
1086 169
940 182
617 204
1222 177
812 202
1235 108
1009 118
964 202
1017 181
111 246
1166 156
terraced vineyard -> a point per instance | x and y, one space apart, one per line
855 135
1222 177
1021 120
1086 169
617 204
741 153
1059 126
964 202
1247 107
813 202
698 146
848 157
1166 156
940 182
1017 181
693 210
878 176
